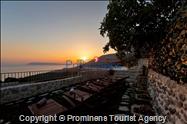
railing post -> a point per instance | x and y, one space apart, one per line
42 75
1 78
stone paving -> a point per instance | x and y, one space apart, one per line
136 99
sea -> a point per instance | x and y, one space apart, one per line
8 70
24 68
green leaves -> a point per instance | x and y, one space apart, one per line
140 24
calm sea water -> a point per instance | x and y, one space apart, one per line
22 68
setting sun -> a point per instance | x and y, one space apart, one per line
84 58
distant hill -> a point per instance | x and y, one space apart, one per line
44 63
109 58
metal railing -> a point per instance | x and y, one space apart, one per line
46 75
17 75
37 76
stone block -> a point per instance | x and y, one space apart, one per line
123 108
182 97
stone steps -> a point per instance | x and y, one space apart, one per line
4 122
136 96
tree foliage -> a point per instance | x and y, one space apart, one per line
138 24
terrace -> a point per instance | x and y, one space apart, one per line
92 92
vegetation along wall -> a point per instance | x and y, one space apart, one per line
167 80
171 58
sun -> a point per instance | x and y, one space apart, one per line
84 58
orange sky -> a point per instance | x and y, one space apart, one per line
36 31
73 50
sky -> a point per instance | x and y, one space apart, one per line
51 31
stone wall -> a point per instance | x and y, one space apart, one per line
16 92
169 97
93 73
143 62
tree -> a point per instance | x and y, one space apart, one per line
137 24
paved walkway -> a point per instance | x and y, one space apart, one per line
136 99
